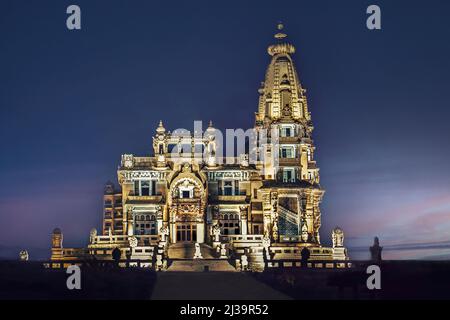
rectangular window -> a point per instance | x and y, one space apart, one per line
287 152
153 189
287 132
185 194
228 188
137 188
145 188
288 175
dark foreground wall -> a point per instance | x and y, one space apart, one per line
399 280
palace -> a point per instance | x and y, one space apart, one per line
251 215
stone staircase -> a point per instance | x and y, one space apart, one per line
181 257
186 251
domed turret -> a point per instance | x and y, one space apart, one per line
160 129
281 94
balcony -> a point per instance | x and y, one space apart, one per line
282 140
144 199
230 199
289 161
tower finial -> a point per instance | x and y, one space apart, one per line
160 128
280 35
280 25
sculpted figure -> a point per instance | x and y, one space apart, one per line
337 236
92 235
216 233
164 233
197 254
23 255
133 241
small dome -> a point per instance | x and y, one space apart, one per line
338 230
160 128
57 231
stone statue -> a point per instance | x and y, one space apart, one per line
266 244
223 251
304 234
275 228
337 235
197 254
244 262
23 255
127 161
133 241
375 250
92 235
164 231
216 233
159 262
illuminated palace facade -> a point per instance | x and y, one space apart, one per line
251 214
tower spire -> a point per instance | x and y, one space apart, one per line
280 35
280 47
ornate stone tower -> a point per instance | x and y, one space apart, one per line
290 174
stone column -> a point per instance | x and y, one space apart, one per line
244 220
159 219
200 232
130 221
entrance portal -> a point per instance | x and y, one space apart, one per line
187 232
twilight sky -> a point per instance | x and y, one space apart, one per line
71 102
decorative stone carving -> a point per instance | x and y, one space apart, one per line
127 161
159 212
223 251
133 241
92 235
159 262
23 255
216 232
266 242
337 235
244 263
244 160
275 228
235 174
304 234
197 254
153 175
164 231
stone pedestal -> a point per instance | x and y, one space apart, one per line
340 253
216 244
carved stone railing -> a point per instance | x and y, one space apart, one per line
145 199
235 198
107 264
115 240
316 264
242 237
288 161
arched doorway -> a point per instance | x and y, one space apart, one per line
187 207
